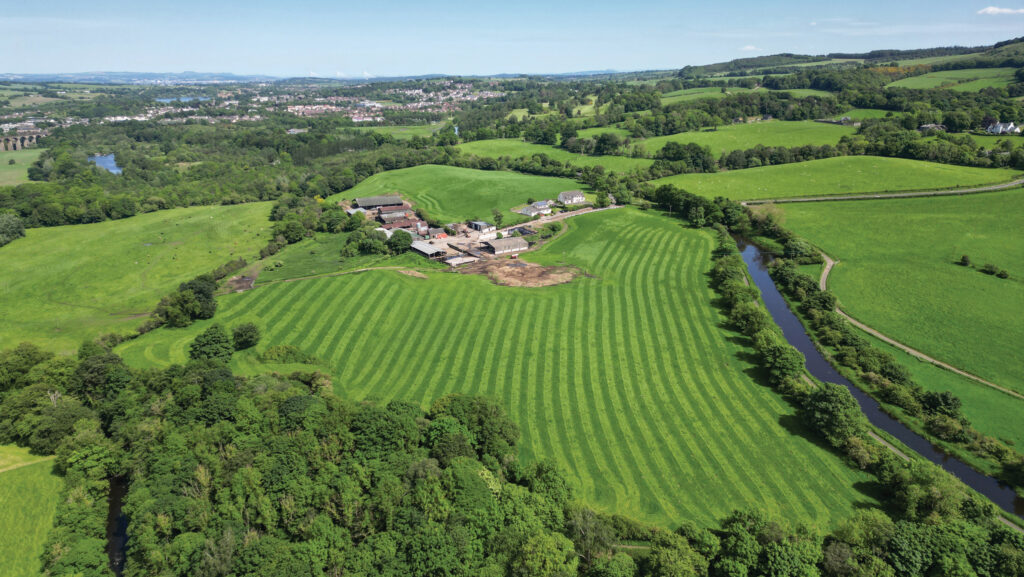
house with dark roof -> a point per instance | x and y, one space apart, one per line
571 197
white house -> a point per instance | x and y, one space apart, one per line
571 197
1003 128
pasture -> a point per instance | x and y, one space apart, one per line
62 285
698 93
897 273
453 194
514 148
624 378
405 132
742 136
29 497
321 255
969 80
17 173
834 176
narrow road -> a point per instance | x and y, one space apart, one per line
951 192
823 284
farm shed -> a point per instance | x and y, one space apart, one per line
428 250
482 226
376 201
508 245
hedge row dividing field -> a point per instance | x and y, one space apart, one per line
898 274
623 377
65 284
29 496
836 176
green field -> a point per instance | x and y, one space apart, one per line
624 378
17 173
405 132
841 175
28 504
897 273
321 255
62 285
698 93
595 132
971 79
515 148
865 113
805 92
453 194
743 136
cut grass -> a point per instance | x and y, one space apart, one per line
514 148
66 284
28 505
743 136
835 176
969 80
624 378
453 194
405 132
321 255
897 274
17 173
698 93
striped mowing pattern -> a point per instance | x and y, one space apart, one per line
624 378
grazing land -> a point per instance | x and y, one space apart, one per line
453 194
897 273
29 496
405 132
834 176
623 377
17 173
743 136
321 255
515 148
698 93
866 113
62 285
969 80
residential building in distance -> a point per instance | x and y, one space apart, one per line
571 197
1003 128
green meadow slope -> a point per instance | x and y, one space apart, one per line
742 136
514 148
897 273
62 285
28 504
625 378
836 176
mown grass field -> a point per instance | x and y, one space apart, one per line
865 113
17 173
28 504
743 136
454 194
405 132
321 255
833 176
62 285
698 93
897 273
969 80
624 378
515 148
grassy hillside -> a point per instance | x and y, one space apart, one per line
29 498
405 132
742 136
841 175
698 93
898 274
624 378
17 173
62 285
971 79
515 148
454 194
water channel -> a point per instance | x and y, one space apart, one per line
117 525
999 493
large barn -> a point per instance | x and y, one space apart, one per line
508 245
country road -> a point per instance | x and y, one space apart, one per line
823 284
874 196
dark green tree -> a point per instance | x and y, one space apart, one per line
211 344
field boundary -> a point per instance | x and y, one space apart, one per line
886 195
823 285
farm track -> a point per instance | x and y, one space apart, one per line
876 196
624 381
823 284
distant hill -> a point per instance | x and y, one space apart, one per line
137 77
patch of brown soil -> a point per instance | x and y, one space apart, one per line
413 273
521 273
237 284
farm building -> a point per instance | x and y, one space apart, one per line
428 250
390 217
378 201
386 232
351 211
571 197
508 245
437 233
1003 128
481 226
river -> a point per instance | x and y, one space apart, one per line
117 525
999 493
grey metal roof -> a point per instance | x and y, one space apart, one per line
512 243
426 248
372 201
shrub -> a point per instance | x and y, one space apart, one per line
211 344
245 336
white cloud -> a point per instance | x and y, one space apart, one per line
750 48
994 10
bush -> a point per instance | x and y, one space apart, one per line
211 344
11 228
245 336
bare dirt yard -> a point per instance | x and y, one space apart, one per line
510 272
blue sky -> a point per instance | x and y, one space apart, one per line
397 37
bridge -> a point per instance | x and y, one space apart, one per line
20 141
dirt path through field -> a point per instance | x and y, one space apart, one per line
20 465
823 284
874 196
